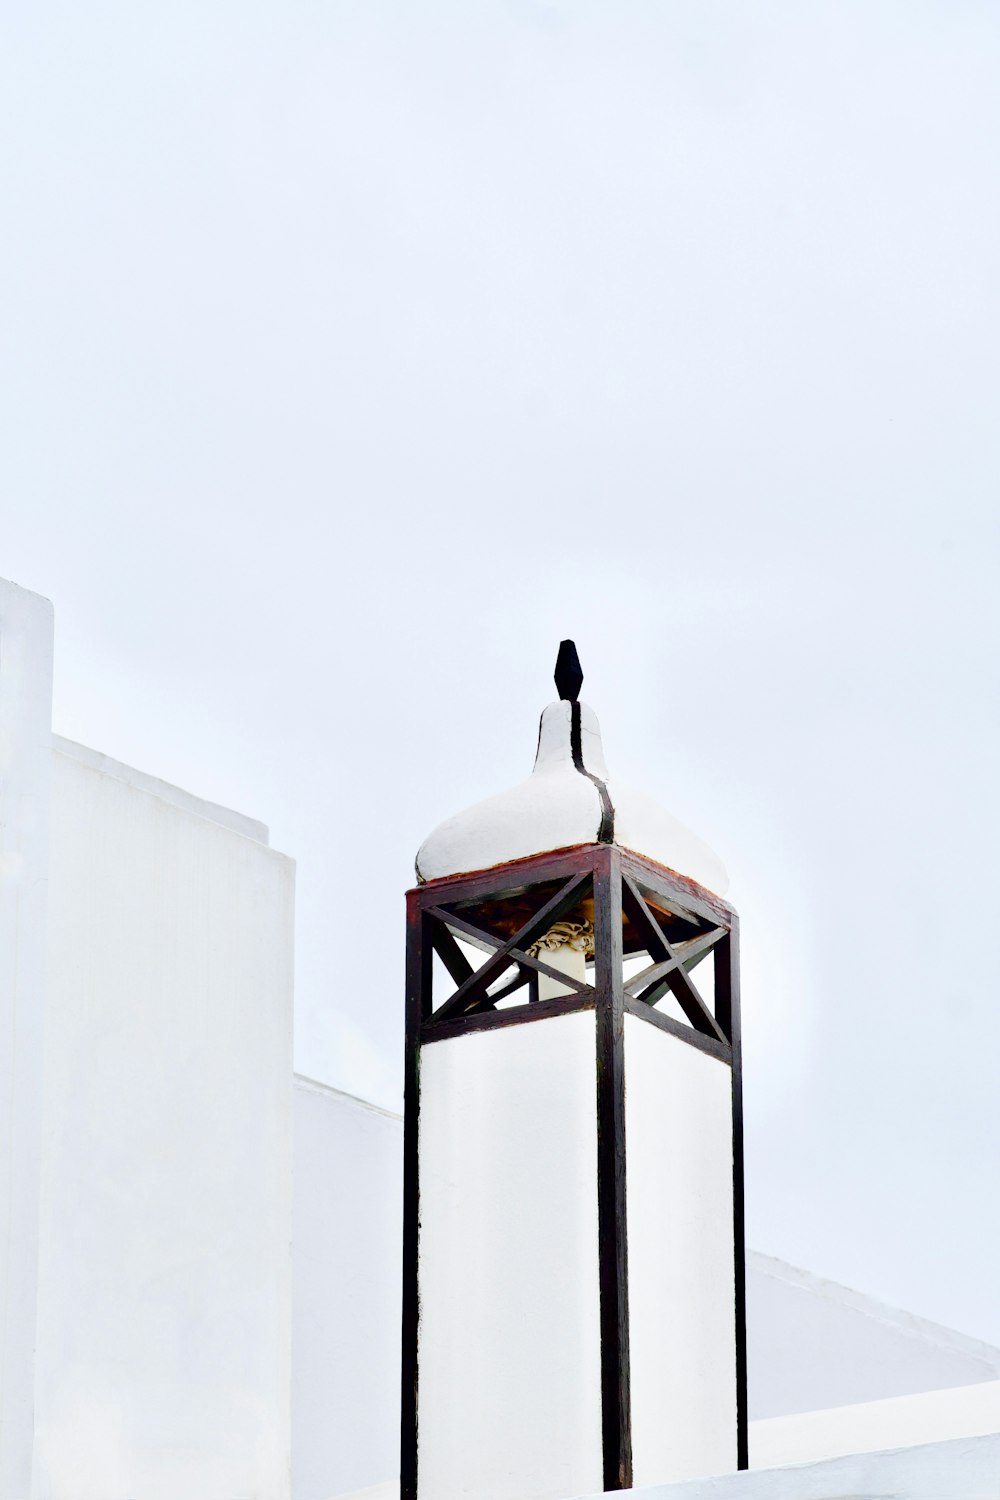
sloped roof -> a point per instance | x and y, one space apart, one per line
814 1344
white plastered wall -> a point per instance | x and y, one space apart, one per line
164 1311
510 1378
347 1259
679 1151
25 739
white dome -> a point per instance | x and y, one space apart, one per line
568 799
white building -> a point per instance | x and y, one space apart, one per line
182 1312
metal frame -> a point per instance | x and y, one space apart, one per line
624 887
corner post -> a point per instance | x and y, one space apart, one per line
616 1415
727 1013
419 956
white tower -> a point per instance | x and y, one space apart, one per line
573 1298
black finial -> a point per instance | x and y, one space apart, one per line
569 673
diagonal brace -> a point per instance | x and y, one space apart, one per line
474 988
686 953
460 969
676 978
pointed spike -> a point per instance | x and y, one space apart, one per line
568 673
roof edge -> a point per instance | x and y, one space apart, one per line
142 781
871 1307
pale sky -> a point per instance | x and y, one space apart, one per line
354 354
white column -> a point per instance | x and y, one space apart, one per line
25 737
566 947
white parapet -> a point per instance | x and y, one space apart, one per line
164 1311
962 1469
897 1422
25 737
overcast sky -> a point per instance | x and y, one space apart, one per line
355 353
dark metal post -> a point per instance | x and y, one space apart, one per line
727 1013
419 956
616 1410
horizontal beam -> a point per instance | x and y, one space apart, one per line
510 879
686 898
517 1015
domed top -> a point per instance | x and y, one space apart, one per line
568 799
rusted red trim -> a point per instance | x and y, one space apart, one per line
513 874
